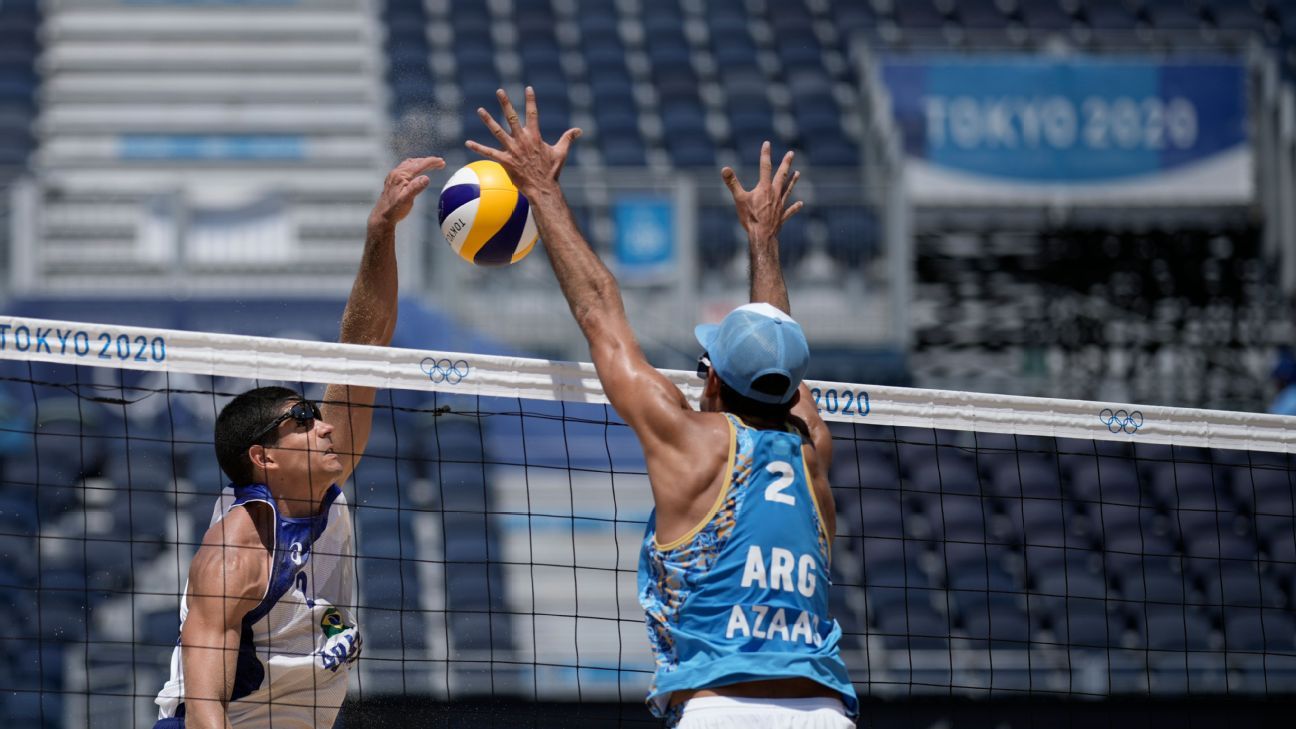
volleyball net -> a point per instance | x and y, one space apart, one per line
987 546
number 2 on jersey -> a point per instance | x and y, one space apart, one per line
774 492
302 585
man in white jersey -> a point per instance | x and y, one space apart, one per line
267 630
734 567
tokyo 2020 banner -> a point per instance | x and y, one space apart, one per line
1084 130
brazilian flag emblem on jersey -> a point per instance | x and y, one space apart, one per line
332 623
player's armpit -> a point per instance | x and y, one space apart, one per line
227 579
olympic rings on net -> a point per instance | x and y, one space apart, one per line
443 370
1121 420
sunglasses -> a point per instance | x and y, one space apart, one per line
703 365
304 412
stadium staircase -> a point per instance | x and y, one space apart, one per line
219 145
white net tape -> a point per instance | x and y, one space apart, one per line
203 353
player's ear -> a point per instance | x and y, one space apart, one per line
261 458
712 387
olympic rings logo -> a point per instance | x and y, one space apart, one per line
1121 420
443 370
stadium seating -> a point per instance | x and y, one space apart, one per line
1091 557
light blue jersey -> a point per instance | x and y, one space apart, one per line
744 596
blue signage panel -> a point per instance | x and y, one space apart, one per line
645 237
1079 120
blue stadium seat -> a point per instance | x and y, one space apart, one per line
794 243
392 629
142 465
1105 480
1108 16
980 15
1023 475
831 150
15 552
159 628
886 553
1077 582
998 626
718 236
108 564
1188 486
881 516
1146 580
1174 628
1084 623
389 583
19 513
1250 629
919 627
952 474
1237 583
921 15
892 586
1260 485
732 47
974 586
1172 15
851 18
1234 16
1040 522
853 234
957 518
63 605
1041 562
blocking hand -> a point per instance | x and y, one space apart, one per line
763 210
528 160
403 184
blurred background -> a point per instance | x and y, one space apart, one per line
1054 197
1090 199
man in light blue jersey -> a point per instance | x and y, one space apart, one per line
733 572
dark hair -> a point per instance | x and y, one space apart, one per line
738 404
239 421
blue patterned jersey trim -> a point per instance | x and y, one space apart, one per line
293 539
692 589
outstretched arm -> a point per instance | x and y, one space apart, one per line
762 211
370 314
647 401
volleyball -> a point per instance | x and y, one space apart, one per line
483 216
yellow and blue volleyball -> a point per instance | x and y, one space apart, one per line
483 216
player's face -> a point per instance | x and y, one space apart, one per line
304 448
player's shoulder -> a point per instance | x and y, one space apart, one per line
247 525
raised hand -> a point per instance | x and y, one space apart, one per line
403 184
763 209
529 161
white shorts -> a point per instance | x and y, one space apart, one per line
726 712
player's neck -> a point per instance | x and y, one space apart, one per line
297 501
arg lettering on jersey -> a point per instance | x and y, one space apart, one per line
783 571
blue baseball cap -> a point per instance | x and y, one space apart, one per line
751 342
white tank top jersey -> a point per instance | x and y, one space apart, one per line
298 644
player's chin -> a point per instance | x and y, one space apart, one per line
331 462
